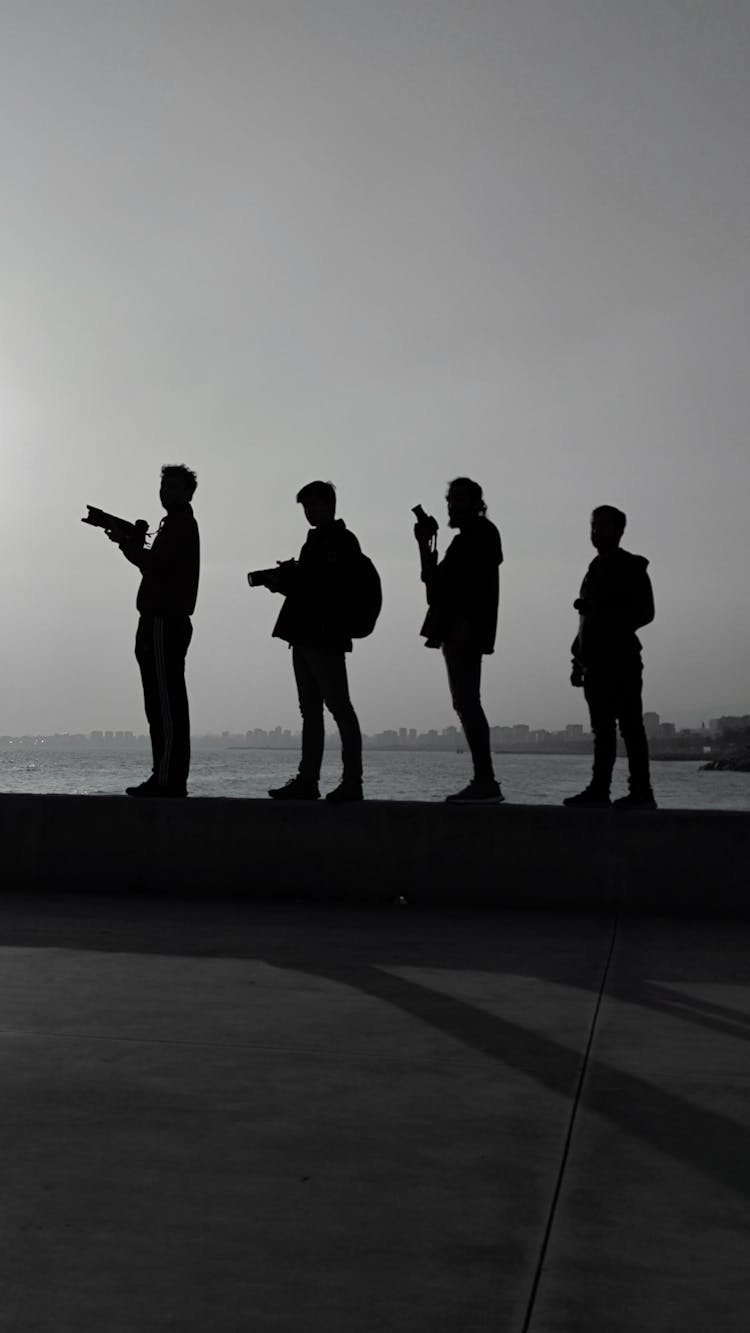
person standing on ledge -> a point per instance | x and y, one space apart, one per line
462 596
166 600
616 600
315 620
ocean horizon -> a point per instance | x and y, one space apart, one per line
398 775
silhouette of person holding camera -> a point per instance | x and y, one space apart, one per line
462 596
320 591
166 600
616 599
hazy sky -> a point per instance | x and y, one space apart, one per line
383 242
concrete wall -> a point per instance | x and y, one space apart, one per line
511 855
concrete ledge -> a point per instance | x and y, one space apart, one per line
670 861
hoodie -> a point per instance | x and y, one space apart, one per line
616 599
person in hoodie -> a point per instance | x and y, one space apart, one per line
616 599
166 600
319 590
462 597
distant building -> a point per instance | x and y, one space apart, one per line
651 723
729 723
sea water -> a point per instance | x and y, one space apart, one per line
392 775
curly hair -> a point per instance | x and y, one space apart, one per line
185 473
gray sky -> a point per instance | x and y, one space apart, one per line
382 243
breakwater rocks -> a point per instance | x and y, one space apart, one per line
731 763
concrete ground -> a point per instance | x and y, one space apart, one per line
226 1116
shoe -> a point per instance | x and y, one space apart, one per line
477 793
151 788
296 789
589 799
147 788
346 791
636 801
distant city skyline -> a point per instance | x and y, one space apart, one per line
687 718
657 728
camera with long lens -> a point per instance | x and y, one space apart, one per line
426 526
273 579
119 528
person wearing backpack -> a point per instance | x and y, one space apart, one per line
462 597
331 593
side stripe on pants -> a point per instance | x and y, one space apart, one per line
166 711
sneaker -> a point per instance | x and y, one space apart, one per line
151 788
589 799
478 792
346 791
636 801
147 788
296 789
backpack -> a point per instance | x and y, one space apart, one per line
366 598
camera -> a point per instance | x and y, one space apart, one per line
273 579
119 528
426 525
261 578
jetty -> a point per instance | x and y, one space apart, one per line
519 856
389 1066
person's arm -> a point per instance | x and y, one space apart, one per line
642 604
576 663
478 575
338 580
171 547
134 551
428 559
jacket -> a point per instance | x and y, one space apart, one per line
170 568
616 599
319 590
464 588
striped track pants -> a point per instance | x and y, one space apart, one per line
161 645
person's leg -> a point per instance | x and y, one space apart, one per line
602 707
172 638
464 669
146 658
632 730
329 668
310 698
